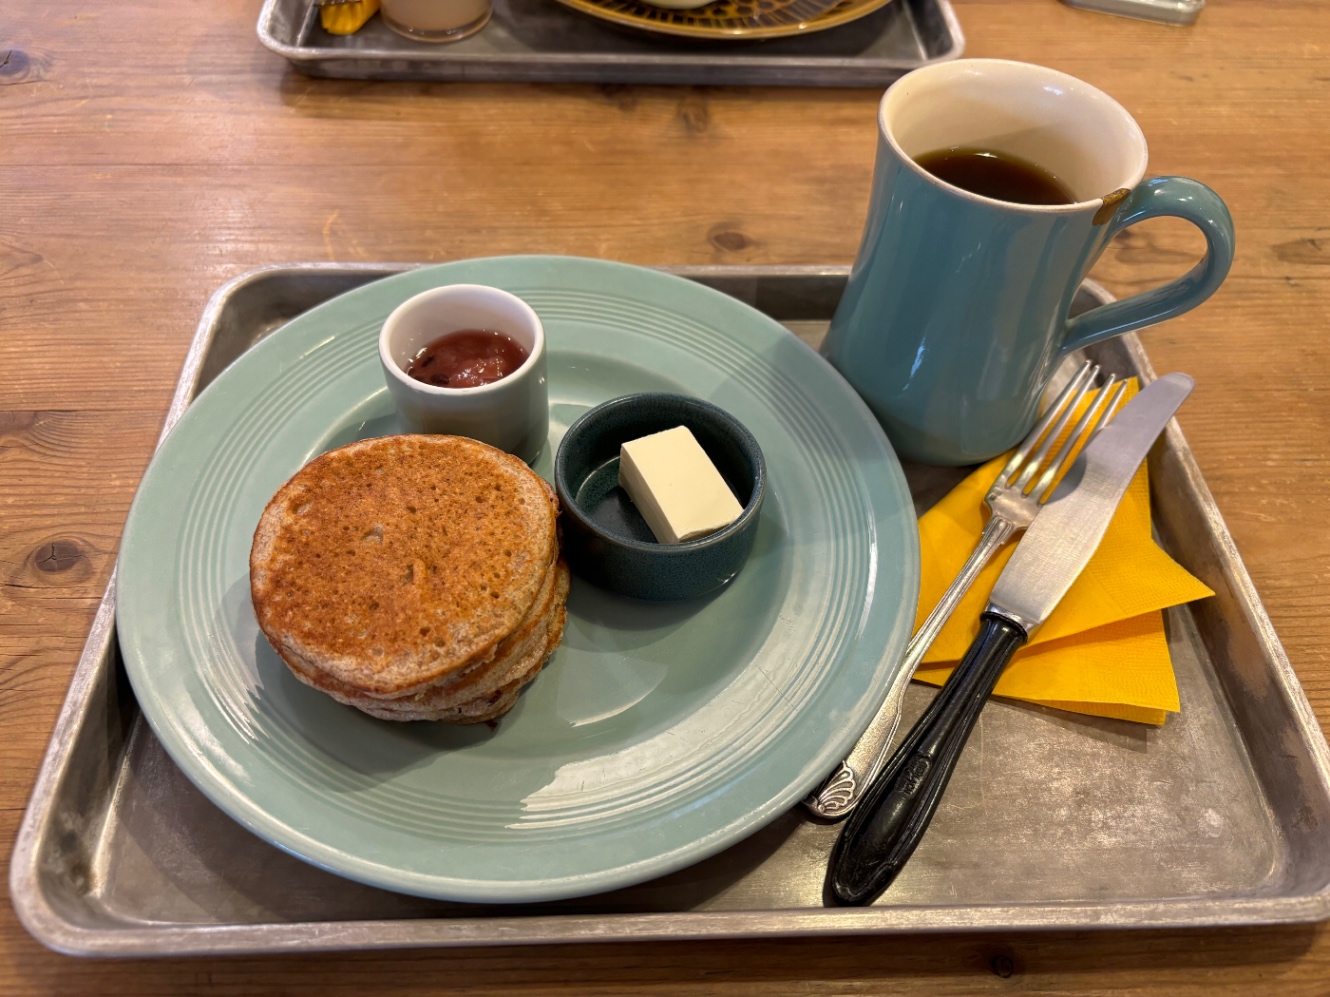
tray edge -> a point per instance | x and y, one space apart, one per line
477 67
41 919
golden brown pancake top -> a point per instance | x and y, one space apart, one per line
391 562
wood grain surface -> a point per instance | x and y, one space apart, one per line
151 150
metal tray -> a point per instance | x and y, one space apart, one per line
543 41
1053 820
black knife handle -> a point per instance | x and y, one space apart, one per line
884 830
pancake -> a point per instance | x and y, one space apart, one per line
515 656
406 565
471 705
487 705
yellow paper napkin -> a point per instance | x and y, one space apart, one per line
1102 651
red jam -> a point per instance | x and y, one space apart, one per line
467 358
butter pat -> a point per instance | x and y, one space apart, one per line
675 486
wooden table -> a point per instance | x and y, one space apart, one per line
151 150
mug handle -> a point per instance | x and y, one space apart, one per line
1177 197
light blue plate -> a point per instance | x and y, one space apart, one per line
659 733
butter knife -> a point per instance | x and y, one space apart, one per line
884 830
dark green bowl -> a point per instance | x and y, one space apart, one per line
606 540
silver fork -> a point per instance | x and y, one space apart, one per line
1014 502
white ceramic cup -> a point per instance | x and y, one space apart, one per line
511 413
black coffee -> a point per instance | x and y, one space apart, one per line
997 175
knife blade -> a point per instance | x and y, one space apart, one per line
883 832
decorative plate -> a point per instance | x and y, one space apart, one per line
731 18
657 735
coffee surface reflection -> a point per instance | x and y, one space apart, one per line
998 175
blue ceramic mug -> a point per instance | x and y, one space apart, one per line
956 312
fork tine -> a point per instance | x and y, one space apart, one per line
1096 414
1113 406
1032 468
1088 369
1113 403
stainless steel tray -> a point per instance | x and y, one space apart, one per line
541 40
1052 820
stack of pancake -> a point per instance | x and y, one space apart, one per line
413 577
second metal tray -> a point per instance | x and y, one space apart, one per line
543 41
1053 820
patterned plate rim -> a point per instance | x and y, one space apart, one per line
842 13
